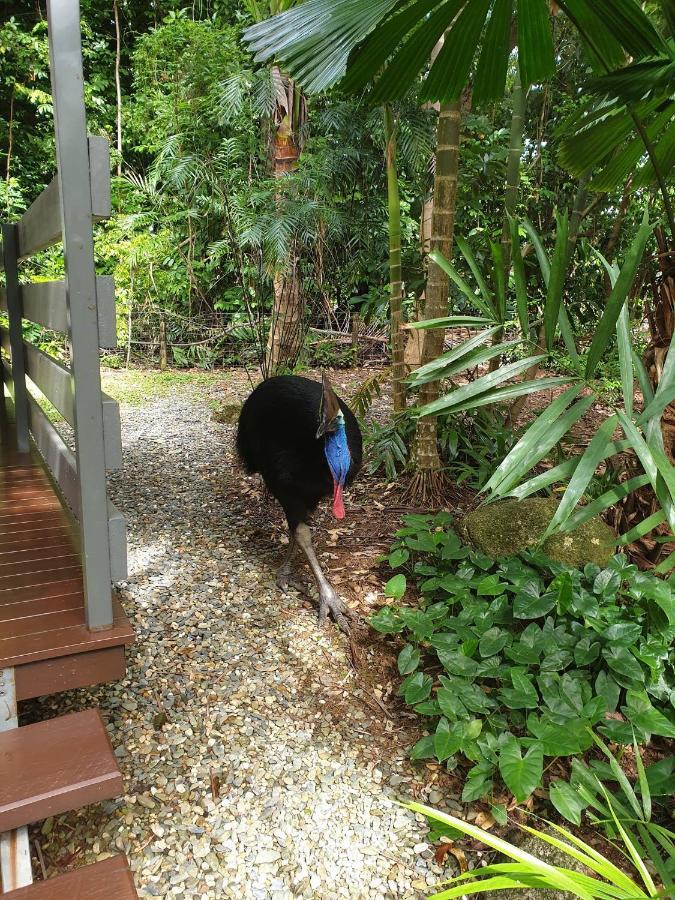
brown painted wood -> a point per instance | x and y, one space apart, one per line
42 617
49 676
54 766
109 879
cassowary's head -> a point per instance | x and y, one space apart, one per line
332 430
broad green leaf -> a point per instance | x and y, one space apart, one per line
527 605
622 661
408 659
395 587
448 739
521 774
416 688
616 299
424 748
567 801
582 476
544 263
492 641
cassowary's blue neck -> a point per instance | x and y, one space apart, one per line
339 460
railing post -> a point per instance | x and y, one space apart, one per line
72 154
14 314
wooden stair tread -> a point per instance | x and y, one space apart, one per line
54 766
109 879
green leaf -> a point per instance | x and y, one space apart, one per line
622 661
448 739
490 586
408 659
499 812
640 711
490 78
416 688
458 664
492 641
484 385
450 72
616 299
398 558
535 46
386 621
567 801
424 748
583 473
556 281
485 302
530 604
548 428
395 587
521 774
519 278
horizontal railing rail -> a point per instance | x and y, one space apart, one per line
40 226
45 303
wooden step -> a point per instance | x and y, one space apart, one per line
106 880
55 766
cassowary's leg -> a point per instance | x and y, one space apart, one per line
329 600
284 573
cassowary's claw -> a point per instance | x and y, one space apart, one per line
285 581
331 603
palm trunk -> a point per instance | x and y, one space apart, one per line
395 282
661 327
286 329
518 98
429 482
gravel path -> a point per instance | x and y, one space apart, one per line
250 762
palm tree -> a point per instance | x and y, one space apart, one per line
395 276
286 327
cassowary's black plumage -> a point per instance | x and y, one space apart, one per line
277 437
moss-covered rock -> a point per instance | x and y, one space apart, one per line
508 527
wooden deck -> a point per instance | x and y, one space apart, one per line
42 621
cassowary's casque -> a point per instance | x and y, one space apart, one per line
306 444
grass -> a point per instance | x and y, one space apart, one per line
134 387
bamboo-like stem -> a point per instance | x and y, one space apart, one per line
429 481
395 278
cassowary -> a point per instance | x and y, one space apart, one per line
306 444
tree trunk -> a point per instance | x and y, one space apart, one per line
286 329
518 100
661 326
429 482
395 282
118 85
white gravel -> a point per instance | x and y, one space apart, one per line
250 768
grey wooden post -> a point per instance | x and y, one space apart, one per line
72 155
14 313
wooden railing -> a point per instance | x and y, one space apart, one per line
82 306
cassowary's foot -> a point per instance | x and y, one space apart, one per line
329 602
286 581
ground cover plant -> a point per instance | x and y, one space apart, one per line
512 662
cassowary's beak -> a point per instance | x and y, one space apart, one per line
330 408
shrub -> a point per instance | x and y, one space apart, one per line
516 660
